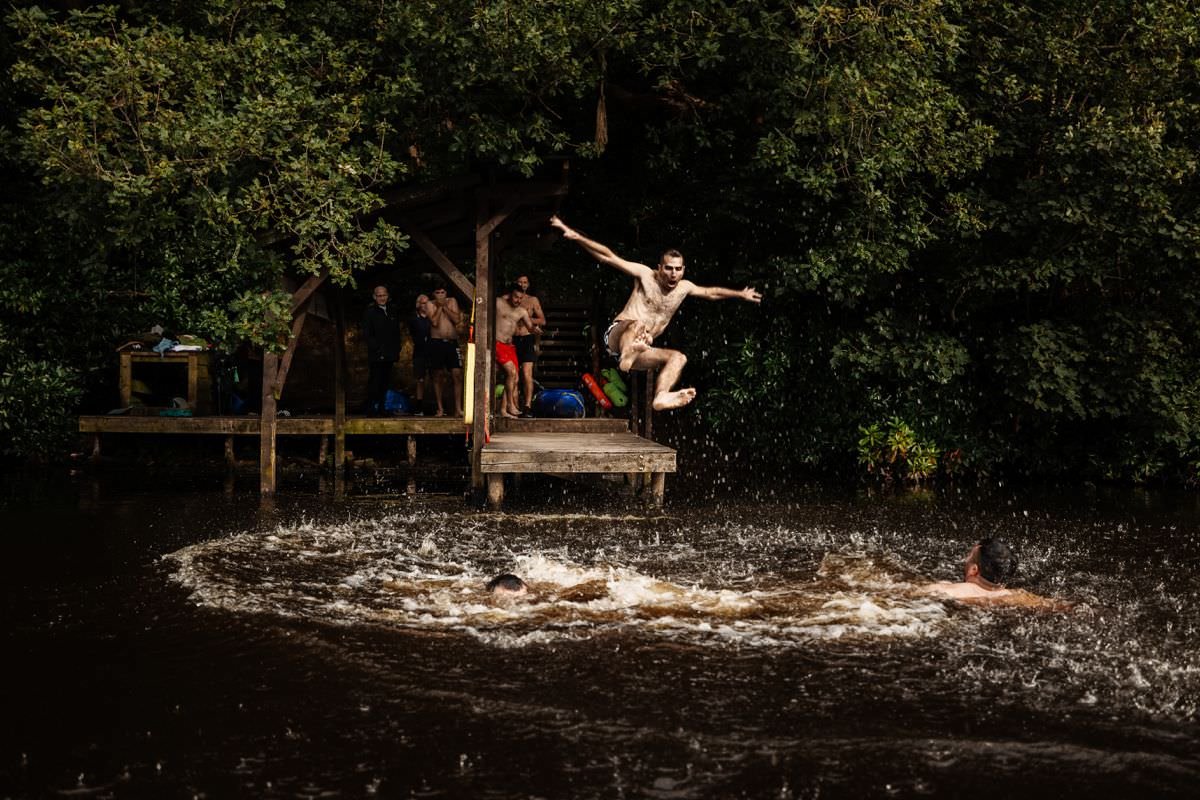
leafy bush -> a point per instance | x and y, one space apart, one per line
38 400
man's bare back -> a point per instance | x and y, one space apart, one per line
656 296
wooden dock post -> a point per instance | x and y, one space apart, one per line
339 389
483 347
266 448
411 446
495 491
658 488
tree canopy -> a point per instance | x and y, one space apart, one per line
978 218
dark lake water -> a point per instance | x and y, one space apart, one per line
182 641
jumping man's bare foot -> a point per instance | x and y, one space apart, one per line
679 399
440 413
640 344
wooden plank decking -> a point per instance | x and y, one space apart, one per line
519 446
568 453
314 425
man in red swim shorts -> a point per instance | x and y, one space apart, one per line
509 314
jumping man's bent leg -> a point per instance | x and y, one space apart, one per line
635 339
668 376
669 363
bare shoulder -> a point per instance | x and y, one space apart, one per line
946 589
1019 598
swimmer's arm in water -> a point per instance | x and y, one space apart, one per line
974 595
1023 599
601 253
749 294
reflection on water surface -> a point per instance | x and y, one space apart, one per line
727 650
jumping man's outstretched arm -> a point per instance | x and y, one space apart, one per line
720 293
598 251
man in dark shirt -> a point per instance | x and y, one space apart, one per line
381 327
419 327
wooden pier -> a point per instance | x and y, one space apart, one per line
457 222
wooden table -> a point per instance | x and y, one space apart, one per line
199 380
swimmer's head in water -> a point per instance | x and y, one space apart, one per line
993 560
506 584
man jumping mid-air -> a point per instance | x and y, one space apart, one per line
657 295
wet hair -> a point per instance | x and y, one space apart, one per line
672 253
515 287
997 561
507 582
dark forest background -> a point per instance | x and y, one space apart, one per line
974 222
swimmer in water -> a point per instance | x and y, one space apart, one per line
990 566
507 585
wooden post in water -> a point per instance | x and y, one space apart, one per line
412 462
339 388
495 490
483 346
658 488
267 422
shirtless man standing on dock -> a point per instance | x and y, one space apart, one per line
510 314
657 295
444 356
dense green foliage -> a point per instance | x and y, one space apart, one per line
979 218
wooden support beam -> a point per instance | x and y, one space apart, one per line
452 272
485 230
495 491
285 363
526 192
411 445
230 456
339 388
429 192
658 488
483 348
305 292
266 449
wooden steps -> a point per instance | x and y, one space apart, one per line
566 346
